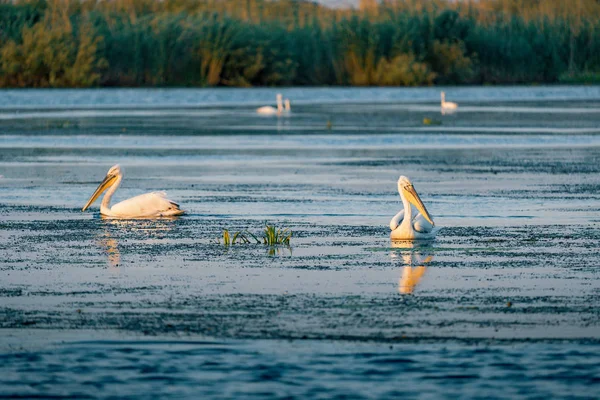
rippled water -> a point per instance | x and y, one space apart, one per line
503 304
273 369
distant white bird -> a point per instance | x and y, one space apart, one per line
268 110
403 225
288 108
149 205
448 107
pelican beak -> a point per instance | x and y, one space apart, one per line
106 183
413 197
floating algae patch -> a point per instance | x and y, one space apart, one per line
114 273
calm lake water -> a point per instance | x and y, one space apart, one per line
503 304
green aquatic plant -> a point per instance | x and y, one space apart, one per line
226 237
431 121
271 236
237 237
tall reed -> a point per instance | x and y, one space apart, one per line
73 43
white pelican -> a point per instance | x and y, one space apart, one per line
149 205
268 110
403 225
288 108
448 107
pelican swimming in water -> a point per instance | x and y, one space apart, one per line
448 107
149 205
404 225
269 110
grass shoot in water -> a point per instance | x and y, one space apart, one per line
271 236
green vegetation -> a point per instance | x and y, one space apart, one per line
431 121
83 43
271 236
580 77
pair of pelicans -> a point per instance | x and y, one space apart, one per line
281 109
405 225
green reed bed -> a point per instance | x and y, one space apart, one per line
82 43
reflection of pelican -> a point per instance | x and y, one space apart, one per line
409 279
448 107
149 205
144 230
111 247
268 110
414 258
403 225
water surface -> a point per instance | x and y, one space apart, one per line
502 304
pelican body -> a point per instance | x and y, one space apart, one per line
269 110
149 205
448 107
406 225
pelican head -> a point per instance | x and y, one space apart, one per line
111 177
443 96
408 192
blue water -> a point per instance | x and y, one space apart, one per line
165 98
301 369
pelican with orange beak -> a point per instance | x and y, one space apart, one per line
149 205
407 225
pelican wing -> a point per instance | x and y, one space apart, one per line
397 220
147 205
420 224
